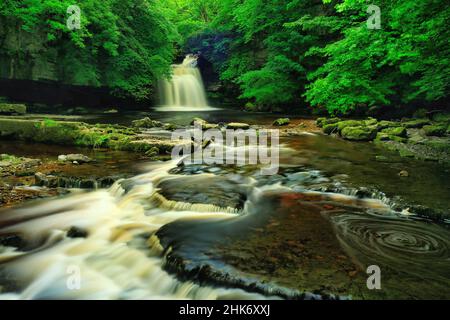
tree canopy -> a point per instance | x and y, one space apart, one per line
288 53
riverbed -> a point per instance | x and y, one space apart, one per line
215 232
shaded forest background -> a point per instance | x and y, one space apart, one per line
283 55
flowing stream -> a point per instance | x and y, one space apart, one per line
227 232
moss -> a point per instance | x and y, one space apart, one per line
330 128
440 145
382 136
419 123
79 134
395 131
8 108
406 153
350 123
281 122
437 130
387 124
359 133
321 122
147 123
370 122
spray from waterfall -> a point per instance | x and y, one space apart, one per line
185 90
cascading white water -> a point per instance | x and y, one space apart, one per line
112 262
185 90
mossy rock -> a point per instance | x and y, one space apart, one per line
350 123
147 123
383 136
321 122
9 108
359 133
396 131
387 124
437 130
419 123
405 153
370 122
330 128
80 134
281 122
440 145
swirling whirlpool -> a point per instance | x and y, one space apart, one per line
405 245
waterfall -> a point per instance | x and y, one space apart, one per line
185 90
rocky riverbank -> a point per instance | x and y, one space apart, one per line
420 138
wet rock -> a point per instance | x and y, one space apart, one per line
395 131
321 122
359 133
403 173
237 126
4 164
75 232
281 122
330 128
78 158
147 123
216 190
387 124
10 109
199 121
170 127
13 240
40 179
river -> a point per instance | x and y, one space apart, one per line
227 232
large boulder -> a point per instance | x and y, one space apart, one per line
359 133
8 108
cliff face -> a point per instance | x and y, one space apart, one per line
23 55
